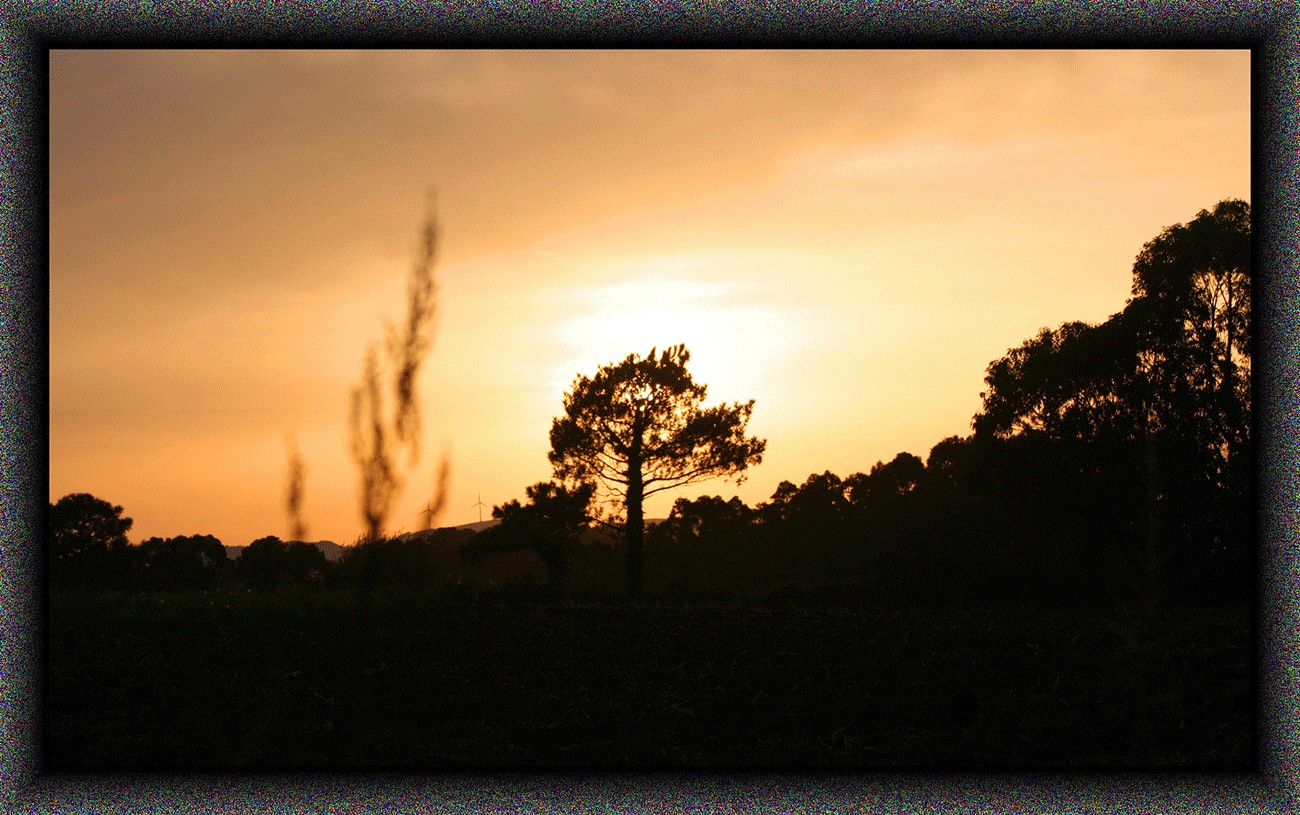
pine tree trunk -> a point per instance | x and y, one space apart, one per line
635 539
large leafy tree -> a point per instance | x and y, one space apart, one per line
87 534
639 427
1191 312
1175 360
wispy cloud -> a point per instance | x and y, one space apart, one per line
931 158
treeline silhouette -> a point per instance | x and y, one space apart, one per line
1110 463
89 550
983 520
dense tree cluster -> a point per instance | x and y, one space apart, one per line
1156 400
1108 462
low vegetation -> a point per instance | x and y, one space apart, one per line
437 679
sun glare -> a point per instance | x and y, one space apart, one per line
738 342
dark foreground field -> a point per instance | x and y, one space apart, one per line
317 679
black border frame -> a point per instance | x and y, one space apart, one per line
1270 30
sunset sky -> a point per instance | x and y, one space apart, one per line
847 237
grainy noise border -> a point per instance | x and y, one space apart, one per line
30 30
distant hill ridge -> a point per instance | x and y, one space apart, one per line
334 551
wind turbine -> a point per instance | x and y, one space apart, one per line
428 512
479 503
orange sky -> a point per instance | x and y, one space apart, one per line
848 237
